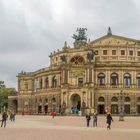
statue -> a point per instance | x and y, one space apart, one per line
109 32
90 55
63 58
81 34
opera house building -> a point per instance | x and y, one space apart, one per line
100 75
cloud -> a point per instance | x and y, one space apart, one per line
31 29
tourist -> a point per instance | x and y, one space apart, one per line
12 116
4 118
95 119
88 119
53 114
109 120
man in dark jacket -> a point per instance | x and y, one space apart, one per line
95 119
109 120
88 119
4 118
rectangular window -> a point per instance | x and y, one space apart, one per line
138 53
131 53
80 81
104 52
122 52
113 52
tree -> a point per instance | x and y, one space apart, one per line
4 93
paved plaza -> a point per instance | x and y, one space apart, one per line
69 128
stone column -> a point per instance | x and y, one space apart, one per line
90 75
50 80
43 82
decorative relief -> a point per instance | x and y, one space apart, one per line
76 73
114 41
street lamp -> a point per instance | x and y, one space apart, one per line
121 98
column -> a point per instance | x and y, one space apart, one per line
43 82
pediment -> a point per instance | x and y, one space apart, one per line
114 40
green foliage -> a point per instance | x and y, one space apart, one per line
4 93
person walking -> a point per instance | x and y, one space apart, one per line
12 116
88 119
4 118
53 113
109 120
95 119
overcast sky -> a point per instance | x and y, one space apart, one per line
31 29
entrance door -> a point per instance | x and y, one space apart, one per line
39 109
15 105
127 109
75 103
138 109
79 105
101 109
46 109
114 109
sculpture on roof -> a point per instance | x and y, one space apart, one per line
109 32
81 34
80 38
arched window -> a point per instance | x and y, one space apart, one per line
47 82
138 80
114 79
127 79
101 78
54 82
127 99
114 99
101 99
77 60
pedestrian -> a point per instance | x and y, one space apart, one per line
109 120
4 119
95 119
12 116
88 119
53 113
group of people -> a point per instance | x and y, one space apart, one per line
11 114
109 119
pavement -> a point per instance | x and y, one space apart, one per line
69 128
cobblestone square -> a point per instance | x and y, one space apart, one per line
69 128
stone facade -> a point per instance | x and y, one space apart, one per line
100 75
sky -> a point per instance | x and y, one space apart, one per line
31 29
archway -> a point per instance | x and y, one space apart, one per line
75 102
39 109
114 109
46 109
114 105
101 105
127 105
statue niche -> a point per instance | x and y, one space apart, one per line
63 58
90 56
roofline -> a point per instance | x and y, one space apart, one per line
126 38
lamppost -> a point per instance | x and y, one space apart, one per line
121 100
